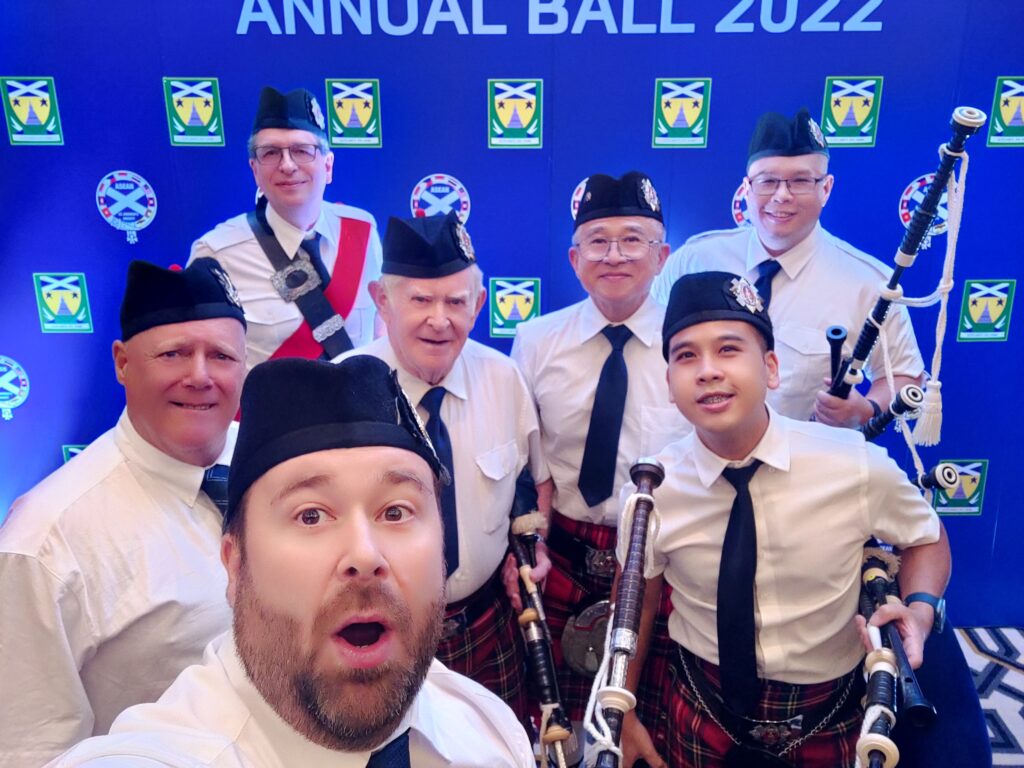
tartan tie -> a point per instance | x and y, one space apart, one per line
737 659
438 434
766 272
394 754
215 485
601 450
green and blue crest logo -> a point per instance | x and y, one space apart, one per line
1007 126
513 300
850 111
70 451
193 111
985 312
966 497
681 111
354 114
515 114
63 302
30 110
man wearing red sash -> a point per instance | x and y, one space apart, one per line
301 265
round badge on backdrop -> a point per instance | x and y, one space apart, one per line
912 197
437 194
739 208
577 197
13 387
127 202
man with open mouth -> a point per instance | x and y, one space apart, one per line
333 549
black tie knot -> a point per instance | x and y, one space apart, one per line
431 401
311 245
739 477
766 272
617 335
215 485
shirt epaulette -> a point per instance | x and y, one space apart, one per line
866 258
227 233
714 233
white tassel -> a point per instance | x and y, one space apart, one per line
928 430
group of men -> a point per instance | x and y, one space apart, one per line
362 529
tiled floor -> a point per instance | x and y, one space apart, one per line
996 658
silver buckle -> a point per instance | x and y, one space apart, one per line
601 562
300 264
778 734
328 328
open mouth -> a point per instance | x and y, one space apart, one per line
714 398
194 406
362 634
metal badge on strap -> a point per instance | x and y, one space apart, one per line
297 281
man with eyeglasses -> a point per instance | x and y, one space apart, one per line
598 378
809 278
302 265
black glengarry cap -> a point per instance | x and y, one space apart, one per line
631 195
778 136
427 246
296 110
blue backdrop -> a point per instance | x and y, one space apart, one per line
598 61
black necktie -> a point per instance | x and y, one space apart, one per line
600 452
312 248
737 659
766 272
394 754
215 485
438 434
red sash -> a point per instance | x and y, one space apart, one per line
340 292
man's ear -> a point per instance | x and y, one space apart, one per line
231 557
120 354
771 361
329 166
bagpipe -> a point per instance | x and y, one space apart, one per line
892 687
610 700
849 371
555 727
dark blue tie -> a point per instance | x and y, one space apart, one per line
394 754
215 485
737 658
597 471
438 434
312 248
766 272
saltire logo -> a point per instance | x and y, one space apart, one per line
681 110
13 387
70 451
63 302
912 197
1007 126
966 497
126 202
354 113
577 197
738 209
438 193
850 111
985 312
515 114
193 111
514 300
30 110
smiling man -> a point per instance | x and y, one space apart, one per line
302 265
332 547
109 567
479 414
809 279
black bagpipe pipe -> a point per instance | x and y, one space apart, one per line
909 398
647 474
557 732
943 475
965 121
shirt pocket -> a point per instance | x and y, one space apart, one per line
498 466
269 310
804 357
659 426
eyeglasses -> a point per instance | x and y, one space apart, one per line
767 185
268 154
631 247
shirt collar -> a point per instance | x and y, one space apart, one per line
792 261
456 382
772 449
184 480
287 742
288 235
645 323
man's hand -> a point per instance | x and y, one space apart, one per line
539 572
637 744
914 624
837 412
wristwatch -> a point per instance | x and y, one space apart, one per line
938 603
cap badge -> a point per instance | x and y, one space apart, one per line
816 134
229 287
318 115
746 295
649 194
465 243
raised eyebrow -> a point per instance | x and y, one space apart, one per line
311 481
396 477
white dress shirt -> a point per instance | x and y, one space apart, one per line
823 281
561 355
271 320
214 716
494 434
110 585
820 494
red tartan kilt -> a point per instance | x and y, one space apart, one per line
490 651
696 741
